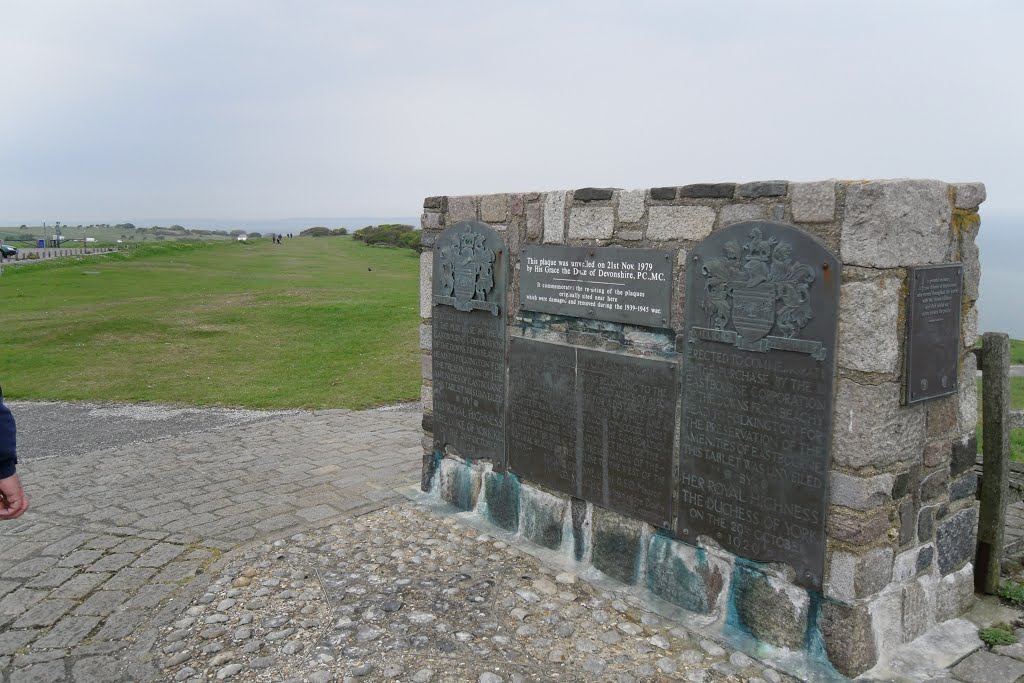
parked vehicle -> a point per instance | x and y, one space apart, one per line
7 250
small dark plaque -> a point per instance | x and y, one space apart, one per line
757 394
470 275
595 425
933 331
616 284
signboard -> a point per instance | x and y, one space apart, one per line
469 319
595 425
933 331
758 373
616 284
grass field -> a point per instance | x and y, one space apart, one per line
304 324
1016 403
1017 352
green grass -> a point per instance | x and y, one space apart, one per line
1017 352
1000 634
1016 403
304 324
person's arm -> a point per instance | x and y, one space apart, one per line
12 498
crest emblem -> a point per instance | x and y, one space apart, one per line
467 272
755 290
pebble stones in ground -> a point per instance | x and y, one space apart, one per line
405 595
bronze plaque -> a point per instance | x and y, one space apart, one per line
616 284
758 374
469 341
595 425
933 331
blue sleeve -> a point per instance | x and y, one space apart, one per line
8 441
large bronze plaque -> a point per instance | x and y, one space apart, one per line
758 372
469 321
616 284
595 425
933 331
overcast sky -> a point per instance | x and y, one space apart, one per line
252 109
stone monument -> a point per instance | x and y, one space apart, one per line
754 401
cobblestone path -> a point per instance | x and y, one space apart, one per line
114 541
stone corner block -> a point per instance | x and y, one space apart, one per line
873 429
969 195
426 284
591 222
868 332
860 493
813 202
430 221
554 217
896 223
426 337
967 408
680 222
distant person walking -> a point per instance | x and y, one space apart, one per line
13 501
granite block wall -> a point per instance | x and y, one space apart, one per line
902 518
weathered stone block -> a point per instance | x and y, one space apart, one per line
937 452
967 420
917 607
593 194
663 193
684 575
542 517
907 511
771 610
868 332
852 577
926 523
708 191
956 539
518 204
426 366
969 334
849 638
964 487
860 493
969 195
925 559
426 337
461 209
460 483
971 259
813 202
631 205
618 545
987 667
554 217
934 485
501 491
581 527
534 221
872 429
427 397
737 213
680 222
494 208
896 223
857 528
426 284
591 222
762 188
965 454
630 235
439 203
431 221
955 594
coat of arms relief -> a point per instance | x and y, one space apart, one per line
467 272
755 290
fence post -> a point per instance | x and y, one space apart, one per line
995 434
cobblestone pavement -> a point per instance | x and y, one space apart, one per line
115 540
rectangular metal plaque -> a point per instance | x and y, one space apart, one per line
469 334
758 374
933 331
616 284
595 425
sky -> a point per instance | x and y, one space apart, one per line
229 109
249 112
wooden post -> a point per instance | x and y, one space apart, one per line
995 410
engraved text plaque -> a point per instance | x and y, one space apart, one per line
758 372
933 331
